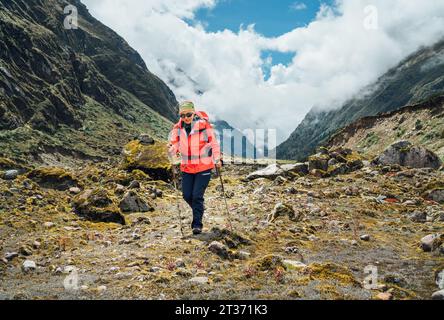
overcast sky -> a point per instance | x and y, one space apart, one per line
258 65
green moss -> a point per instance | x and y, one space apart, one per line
6 163
330 271
370 140
53 177
267 263
318 157
401 132
151 159
139 175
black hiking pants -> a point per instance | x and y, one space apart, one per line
193 189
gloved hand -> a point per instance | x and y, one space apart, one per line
219 163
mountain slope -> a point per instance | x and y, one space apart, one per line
421 124
65 83
417 78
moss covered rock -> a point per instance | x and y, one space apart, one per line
406 154
151 159
332 272
318 162
268 262
53 178
97 205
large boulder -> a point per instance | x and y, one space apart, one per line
299 169
270 172
318 161
275 170
406 154
330 163
97 205
151 158
53 178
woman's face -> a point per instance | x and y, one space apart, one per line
187 116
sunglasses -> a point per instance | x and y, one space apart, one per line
187 115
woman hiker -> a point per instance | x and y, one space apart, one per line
193 138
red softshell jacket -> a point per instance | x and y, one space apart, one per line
200 150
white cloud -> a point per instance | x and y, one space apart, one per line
298 6
335 55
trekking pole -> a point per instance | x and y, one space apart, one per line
177 200
225 198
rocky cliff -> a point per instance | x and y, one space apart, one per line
422 124
417 78
65 82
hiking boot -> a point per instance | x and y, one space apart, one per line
197 231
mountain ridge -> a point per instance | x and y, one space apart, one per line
417 78
77 86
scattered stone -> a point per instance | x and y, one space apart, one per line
410 203
134 185
119 189
232 239
396 279
146 140
293 264
279 181
199 280
49 225
28 266
332 162
431 242
281 210
180 263
438 295
155 269
10 174
75 190
243 255
291 250
440 279
132 202
219 249
69 269
141 220
182 272
365 237
101 289
404 153
418 216
11 255
384 296
25 250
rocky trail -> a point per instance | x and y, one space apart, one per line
299 233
